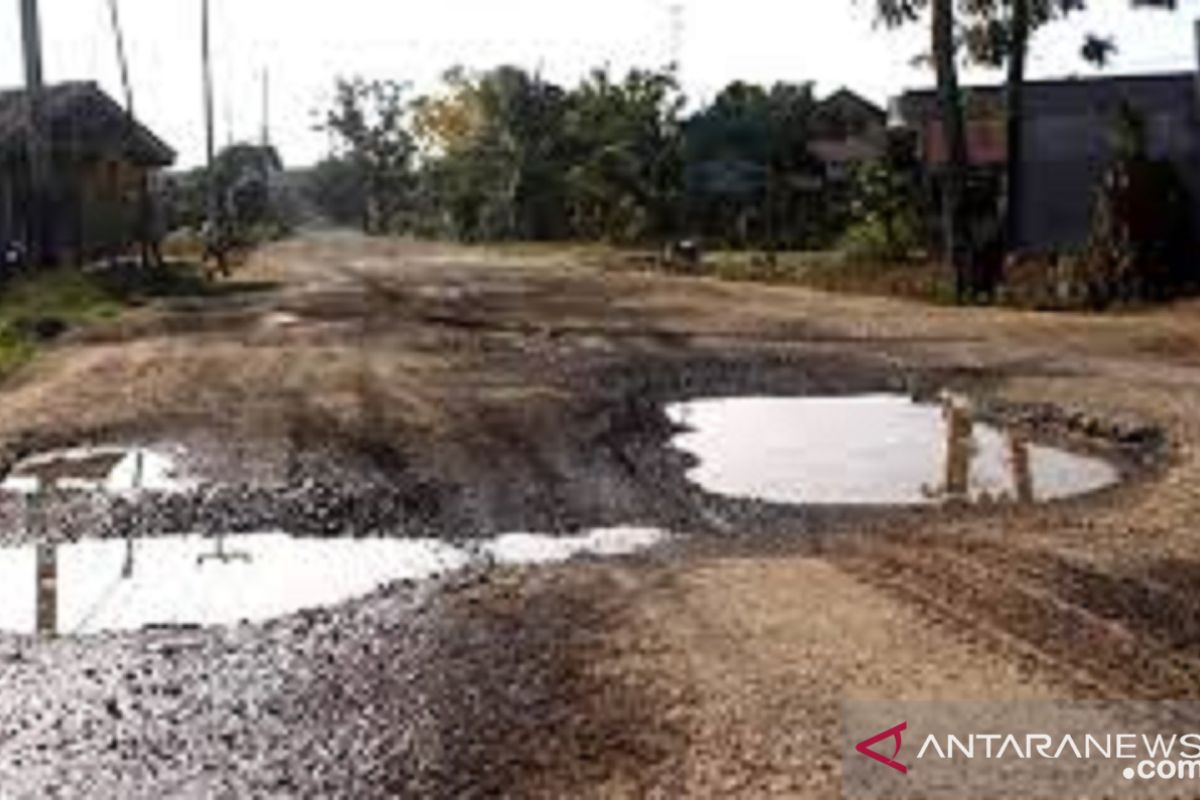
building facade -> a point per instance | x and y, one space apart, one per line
102 160
1069 139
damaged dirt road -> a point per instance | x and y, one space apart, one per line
369 387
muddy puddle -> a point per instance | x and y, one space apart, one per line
108 470
93 586
802 451
872 450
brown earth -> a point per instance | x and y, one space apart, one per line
517 391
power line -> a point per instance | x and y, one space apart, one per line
144 233
206 66
114 16
37 236
214 243
266 107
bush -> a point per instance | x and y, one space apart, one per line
873 240
888 215
1142 244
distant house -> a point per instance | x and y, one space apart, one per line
848 130
99 157
1068 142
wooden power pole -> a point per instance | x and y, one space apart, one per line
214 235
266 108
147 238
38 222
114 18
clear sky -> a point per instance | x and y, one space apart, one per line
306 43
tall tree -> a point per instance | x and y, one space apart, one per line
955 220
956 234
371 121
1014 112
624 143
747 165
494 153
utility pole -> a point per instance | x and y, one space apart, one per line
266 108
37 224
147 238
214 244
114 16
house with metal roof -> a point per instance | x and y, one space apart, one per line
848 131
100 158
1068 141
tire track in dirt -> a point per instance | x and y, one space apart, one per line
1100 635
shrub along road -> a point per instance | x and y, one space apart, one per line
421 389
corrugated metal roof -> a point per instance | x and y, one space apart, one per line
82 119
1164 90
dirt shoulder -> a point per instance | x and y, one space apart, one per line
491 393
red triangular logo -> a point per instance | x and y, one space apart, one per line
865 746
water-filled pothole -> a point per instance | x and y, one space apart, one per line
109 470
114 584
97 585
872 450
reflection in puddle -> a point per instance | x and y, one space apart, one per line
129 584
871 450
100 585
114 470
121 585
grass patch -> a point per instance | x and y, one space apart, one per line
926 281
833 271
71 297
15 350
38 307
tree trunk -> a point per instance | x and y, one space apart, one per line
956 233
1015 123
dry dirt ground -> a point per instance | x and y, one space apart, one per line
369 386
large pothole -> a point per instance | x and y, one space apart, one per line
879 449
98 585
124 538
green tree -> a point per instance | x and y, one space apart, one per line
371 121
334 187
623 141
748 172
495 154
958 248
1143 240
245 174
886 205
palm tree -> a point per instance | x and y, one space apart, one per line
956 232
956 235
1018 53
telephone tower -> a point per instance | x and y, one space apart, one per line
676 30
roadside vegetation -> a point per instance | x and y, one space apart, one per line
257 201
39 307
505 155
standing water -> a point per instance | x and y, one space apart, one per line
128 584
119 585
871 450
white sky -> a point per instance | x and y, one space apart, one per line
306 43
